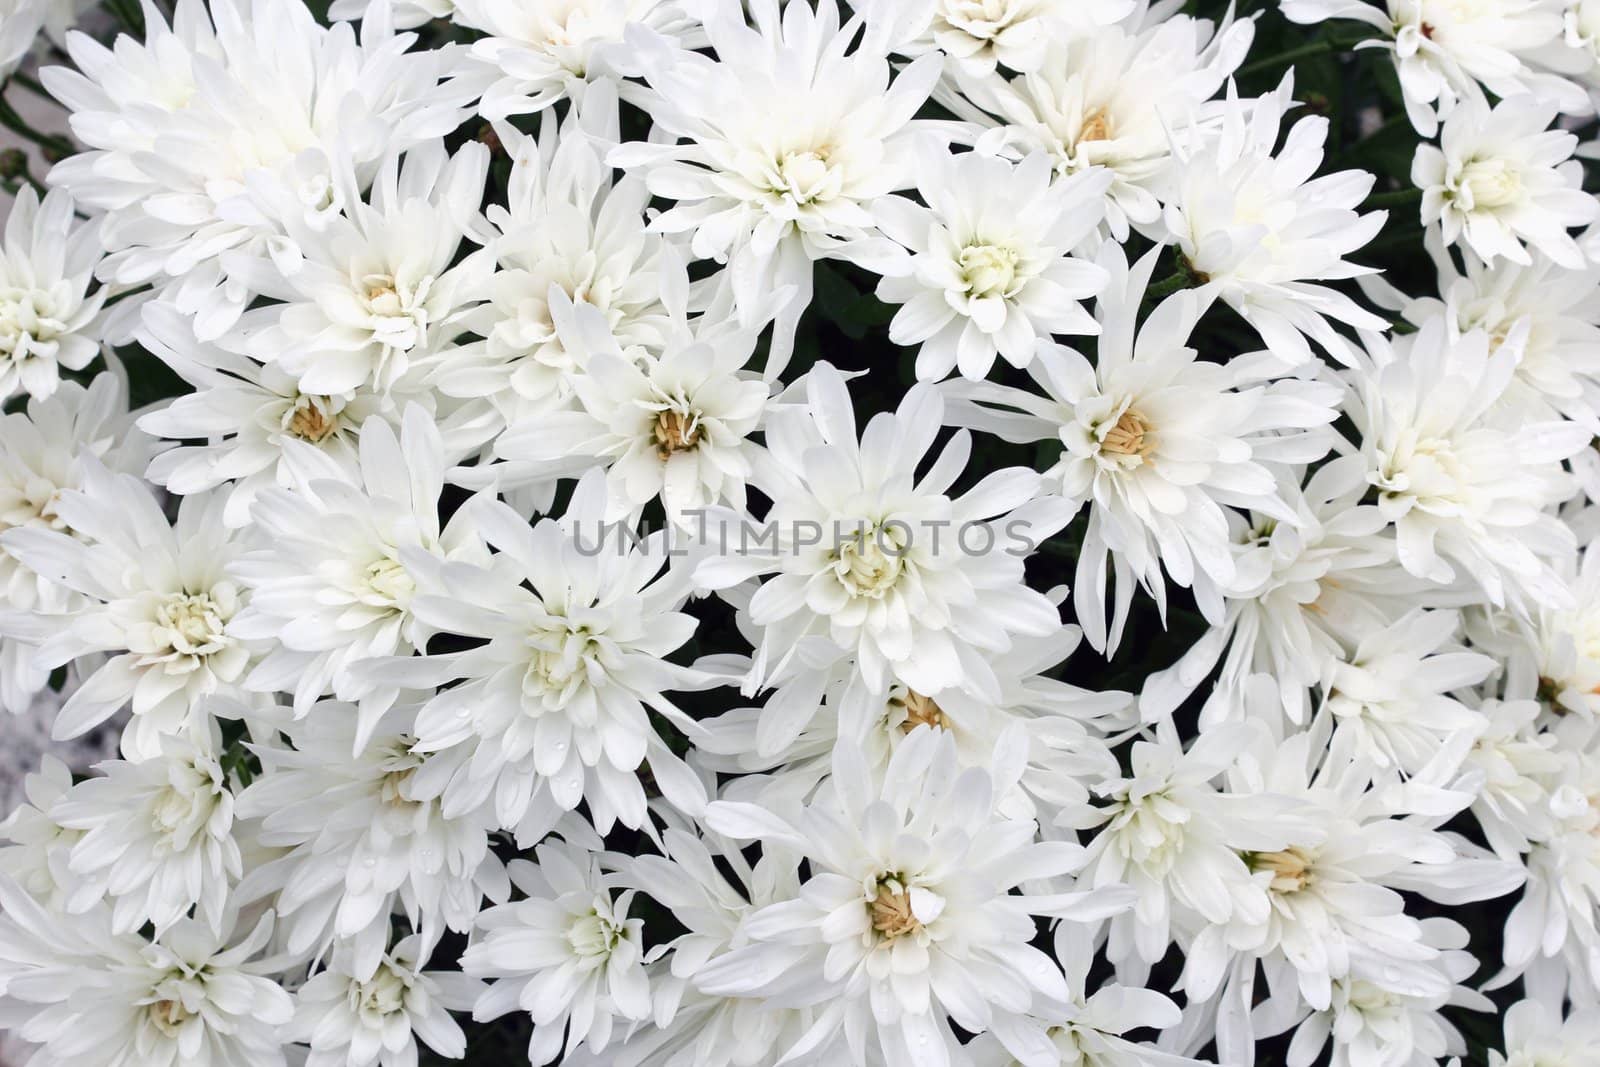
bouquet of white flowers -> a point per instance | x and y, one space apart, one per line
740 533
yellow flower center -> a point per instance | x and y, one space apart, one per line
1130 436
676 431
920 711
891 910
311 420
1096 126
1292 868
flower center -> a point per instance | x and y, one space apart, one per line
988 270
1096 126
1490 183
560 661
193 624
169 1016
390 583
1129 437
31 502
982 19
398 763
676 431
870 564
593 935
892 916
1422 467
919 711
806 177
382 298
184 808
1583 25
1292 868
312 419
383 994
398 317
1151 830
28 323
1369 999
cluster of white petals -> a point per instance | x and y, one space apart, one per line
698 533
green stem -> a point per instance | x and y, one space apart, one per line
19 126
1326 46
1396 198
30 83
14 185
129 14
1180 279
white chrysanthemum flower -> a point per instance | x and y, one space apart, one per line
157 837
1510 769
908 922
1444 50
1501 179
379 289
24 22
1551 652
1555 927
155 595
332 583
43 449
376 1021
1390 695
674 426
1116 97
1250 217
564 225
567 954
990 270
1549 314
535 55
49 321
920 586
20 23
1337 908
197 130
1303 593
360 836
1383 1016
1087 1029
1158 442
1538 1036
776 149
577 619
100 999
790 746
36 858
981 35
710 887
1581 35
1180 840
1463 490
235 429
